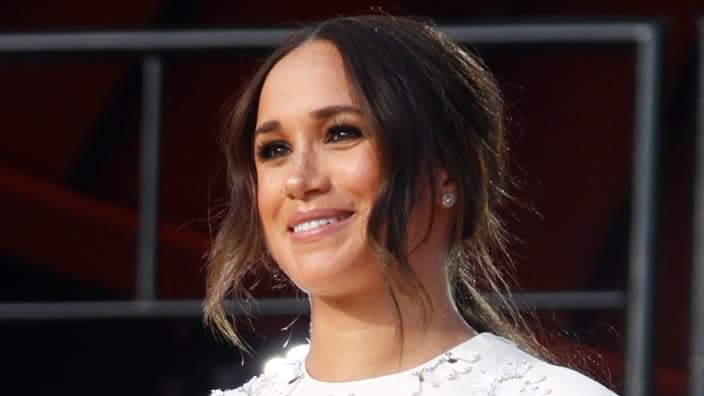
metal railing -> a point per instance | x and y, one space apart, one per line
268 306
645 38
696 347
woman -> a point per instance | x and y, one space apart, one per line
366 160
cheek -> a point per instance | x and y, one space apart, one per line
268 199
360 173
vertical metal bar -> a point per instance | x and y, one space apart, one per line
696 333
643 206
149 178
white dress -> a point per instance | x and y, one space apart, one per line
484 365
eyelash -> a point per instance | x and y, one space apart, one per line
273 149
351 131
336 133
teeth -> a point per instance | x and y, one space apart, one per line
309 225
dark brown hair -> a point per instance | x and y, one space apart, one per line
434 104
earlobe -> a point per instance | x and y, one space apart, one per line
447 187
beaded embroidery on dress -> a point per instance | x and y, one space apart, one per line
485 365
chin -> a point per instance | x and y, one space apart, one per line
327 276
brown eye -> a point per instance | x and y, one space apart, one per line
339 133
271 150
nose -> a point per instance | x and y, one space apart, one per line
307 176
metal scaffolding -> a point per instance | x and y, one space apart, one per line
151 46
696 347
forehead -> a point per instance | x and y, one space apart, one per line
309 77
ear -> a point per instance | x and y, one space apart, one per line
445 189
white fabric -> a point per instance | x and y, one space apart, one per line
484 365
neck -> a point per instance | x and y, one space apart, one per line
360 337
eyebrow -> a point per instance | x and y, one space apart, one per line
319 114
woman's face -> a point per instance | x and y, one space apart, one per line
317 173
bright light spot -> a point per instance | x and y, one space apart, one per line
298 352
277 364
274 365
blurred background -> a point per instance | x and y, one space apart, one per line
69 186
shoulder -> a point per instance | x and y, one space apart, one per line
263 385
565 381
278 377
256 384
507 370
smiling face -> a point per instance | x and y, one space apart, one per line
317 173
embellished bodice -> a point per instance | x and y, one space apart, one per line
485 365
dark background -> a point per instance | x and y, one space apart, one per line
69 133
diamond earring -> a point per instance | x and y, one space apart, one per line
447 200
